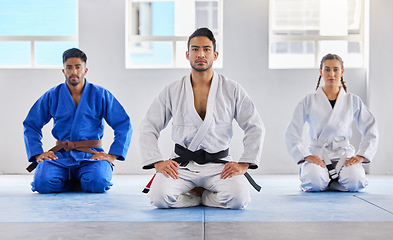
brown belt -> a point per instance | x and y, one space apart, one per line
83 146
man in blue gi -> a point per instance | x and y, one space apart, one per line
78 109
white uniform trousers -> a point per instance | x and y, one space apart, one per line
232 193
315 178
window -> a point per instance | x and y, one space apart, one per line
157 31
34 34
301 32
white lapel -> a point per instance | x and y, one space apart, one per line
334 118
211 103
190 101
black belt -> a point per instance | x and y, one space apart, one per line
202 157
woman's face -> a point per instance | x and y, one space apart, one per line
331 72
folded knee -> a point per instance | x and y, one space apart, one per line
354 184
314 184
314 178
353 178
95 184
96 178
237 198
160 199
48 184
238 202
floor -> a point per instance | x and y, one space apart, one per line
279 211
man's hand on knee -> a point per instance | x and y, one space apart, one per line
233 168
46 155
168 168
104 156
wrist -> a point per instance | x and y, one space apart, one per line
244 165
156 163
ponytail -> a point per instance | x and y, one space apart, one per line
343 83
319 81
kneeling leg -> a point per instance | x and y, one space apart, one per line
353 178
95 176
50 178
313 177
172 193
232 193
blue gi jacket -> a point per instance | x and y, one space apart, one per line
77 123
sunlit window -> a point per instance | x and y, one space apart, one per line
301 32
157 31
34 34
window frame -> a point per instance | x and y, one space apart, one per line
172 39
33 39
315 39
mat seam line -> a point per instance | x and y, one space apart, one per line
373 204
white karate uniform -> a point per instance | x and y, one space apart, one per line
227 100
331 126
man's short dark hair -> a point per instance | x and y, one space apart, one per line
74 53
203 32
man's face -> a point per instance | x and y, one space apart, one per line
74 71
201 53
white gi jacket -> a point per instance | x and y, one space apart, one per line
227 100
331 126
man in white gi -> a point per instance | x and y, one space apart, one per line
202 106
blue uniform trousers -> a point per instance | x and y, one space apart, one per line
94 176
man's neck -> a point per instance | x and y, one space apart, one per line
76 90
201 78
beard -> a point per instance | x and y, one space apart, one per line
73 83
201 69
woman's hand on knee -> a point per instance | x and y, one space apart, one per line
316 160
354 160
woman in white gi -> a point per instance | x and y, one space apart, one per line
330 161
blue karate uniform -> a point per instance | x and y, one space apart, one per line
76 123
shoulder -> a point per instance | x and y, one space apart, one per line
178 83
97 91
173 87
231 87
309 98
350 97
96 88
54 91
355 101
353 97
227 82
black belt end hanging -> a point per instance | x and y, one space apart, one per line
252 182
32 166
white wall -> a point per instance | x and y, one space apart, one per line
381 81
275 92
